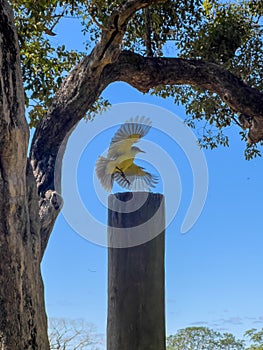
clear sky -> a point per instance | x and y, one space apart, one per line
213 272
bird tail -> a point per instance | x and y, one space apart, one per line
105 178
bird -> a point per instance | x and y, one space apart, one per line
119 164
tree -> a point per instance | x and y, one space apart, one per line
198 338
71 334
219 80
255 338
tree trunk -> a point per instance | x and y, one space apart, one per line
29 203
136 317
23 323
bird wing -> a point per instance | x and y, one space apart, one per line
106 178
136 178
129 133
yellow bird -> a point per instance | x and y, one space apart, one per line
119 164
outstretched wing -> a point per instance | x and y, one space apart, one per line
105 178
136 178
129 133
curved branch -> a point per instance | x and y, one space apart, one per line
107 64
77 94
145 73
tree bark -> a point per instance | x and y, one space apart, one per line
29 202
144 73
136 314
148 32
23 322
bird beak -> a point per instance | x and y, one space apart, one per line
142 151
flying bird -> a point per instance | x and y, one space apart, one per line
119 164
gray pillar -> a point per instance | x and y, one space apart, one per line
136 314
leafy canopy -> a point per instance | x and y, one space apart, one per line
197 338
256 338
227 33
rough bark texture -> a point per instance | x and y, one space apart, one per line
22 314
29 203
107 63
136 317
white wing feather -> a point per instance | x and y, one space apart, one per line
128 134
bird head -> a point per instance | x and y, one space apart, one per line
136 150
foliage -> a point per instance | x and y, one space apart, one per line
256 337
72 335
98 107
77 334
43 63
227 33
222 31
198 338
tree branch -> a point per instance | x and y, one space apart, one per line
77 94
116 27
148 32
145 73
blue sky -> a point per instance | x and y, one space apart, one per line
213 272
